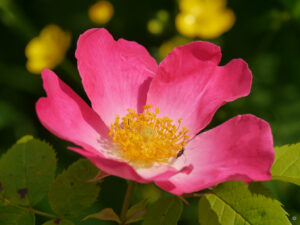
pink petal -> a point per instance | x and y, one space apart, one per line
190 85
66 115
123 169
239 149
115 74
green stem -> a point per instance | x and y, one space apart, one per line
43 213
126 201
35 211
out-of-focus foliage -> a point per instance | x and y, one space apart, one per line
55 222
265 34
18 216
159 22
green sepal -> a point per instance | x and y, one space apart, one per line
136 212
105 214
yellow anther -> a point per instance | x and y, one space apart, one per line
144 139
157 110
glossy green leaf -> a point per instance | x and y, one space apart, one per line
136 212
236 203
58 222
10 215
165 211
105 214
26 171
71 193
286 166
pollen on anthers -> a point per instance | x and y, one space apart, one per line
144 138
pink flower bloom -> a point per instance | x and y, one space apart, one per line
158 144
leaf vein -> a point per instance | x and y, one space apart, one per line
247 222
291 164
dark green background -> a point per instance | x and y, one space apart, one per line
266 35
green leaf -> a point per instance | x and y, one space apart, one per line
58 222
235 203
286 166
105 214
25 139
26 171
165 211
136 212
71 193
206 215
10 215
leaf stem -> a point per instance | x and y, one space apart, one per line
127 200
43 213
35 211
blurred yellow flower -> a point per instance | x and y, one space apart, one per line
206 19
48 49
101 12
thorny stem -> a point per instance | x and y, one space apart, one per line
126 201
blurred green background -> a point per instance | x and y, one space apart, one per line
266 34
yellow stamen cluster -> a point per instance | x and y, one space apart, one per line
144 138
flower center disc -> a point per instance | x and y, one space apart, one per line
144 138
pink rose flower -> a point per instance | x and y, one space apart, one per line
144 117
